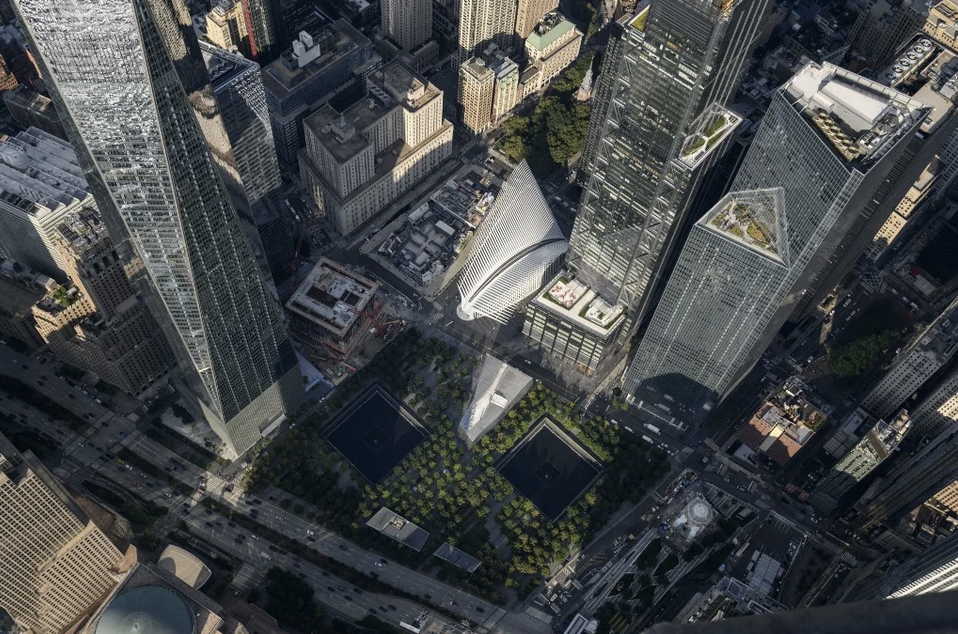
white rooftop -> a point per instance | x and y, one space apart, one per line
39 171
858 116
332 296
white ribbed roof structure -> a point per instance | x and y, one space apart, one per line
516 246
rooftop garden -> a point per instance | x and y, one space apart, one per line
708 137
641 19
65 297
739 219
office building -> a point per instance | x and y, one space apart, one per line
55 563
551 46
722 291
938 410
359 160
485 22
40 184
226 27
30 109
933 571
529 13
569 322
332 309
916 364
915 479
517 245
947 498
918 193
238 89
267 30
488 89
318 67
929 614
883 26
828 141
877 445
408 23
649 106
163 181
932 81
940 24
20 288
99 324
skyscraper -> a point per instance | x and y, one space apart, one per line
238 89
699 344
528 14
935 570
407 22
917 364
484 22
264 19
666 68
871 451
55 563
142 117
915 479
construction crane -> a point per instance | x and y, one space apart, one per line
373 312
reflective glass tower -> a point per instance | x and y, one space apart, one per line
136 100
828 141
666 69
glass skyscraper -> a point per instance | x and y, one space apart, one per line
827 142
137 104
669 65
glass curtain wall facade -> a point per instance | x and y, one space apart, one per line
822 192
667 66
137 105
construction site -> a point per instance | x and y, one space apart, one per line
339 318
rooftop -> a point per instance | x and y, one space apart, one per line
885 438
82 230
579 304
498 387
184 565
399 528
641 17
550 29
299 63
147 609
39 172
714 125
754 219
861 119
343 134
332 296
926 70
224 67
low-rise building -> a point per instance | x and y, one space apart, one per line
356 162
332 308
570 322
783 424
552 45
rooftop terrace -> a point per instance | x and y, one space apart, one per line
859 118
579 304
754 219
